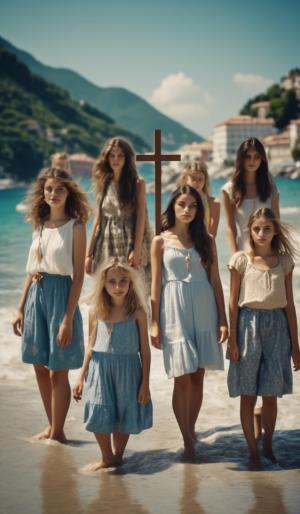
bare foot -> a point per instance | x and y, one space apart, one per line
45 434
61 438
188 454
254 462
97 466
268 453
257 423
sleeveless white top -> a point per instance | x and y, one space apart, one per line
56 245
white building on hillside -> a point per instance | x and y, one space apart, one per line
229 134
193 151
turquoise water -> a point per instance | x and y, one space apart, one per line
15 239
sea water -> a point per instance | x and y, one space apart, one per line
15 240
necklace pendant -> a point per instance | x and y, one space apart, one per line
188 261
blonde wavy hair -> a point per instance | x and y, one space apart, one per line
60 160
191 167
38 210
99 299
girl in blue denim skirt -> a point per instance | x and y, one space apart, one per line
48 318
263 326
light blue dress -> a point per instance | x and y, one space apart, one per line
114 378
188 315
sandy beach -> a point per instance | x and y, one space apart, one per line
38 478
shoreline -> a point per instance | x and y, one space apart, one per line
46 478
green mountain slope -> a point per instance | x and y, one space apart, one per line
38 118
128 109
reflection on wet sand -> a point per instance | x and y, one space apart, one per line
268 497
113 496
190 486
59 482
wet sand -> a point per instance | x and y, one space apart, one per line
38 478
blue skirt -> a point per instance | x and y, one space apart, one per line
45 308
111 396
264 368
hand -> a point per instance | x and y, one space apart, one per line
234 353
296 359
77 390
89 265
64 336
223 334
18 323
134 258
144 394
155 336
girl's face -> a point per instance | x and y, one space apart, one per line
262 232
117 284
196 179
55 193
185 208
116 159
252 160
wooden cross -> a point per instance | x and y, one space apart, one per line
157 157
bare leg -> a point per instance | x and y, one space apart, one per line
257 422
247 420
120 441
196 397
43 379
61 397
108 458
269 410
181 407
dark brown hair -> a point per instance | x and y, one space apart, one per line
263 181
197 229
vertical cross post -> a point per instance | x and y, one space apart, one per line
157 157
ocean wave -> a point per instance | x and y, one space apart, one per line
21 207
290 210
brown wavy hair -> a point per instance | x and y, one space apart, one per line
263 180
103 174
38 210
197 228
282 242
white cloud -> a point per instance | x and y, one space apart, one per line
252 83
180 97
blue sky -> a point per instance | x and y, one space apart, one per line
196 61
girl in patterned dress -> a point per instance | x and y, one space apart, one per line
121 227
48 318
188 313
117 362
263 326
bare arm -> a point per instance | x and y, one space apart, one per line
78 387
231 228
235 285
144 391
79 246
92 243
275 206
156 267
218 291
292 321
140 223
18 323
214 209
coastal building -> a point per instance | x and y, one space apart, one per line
278 147
193 151
292 81
261 109
81 164
230 133
294 128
